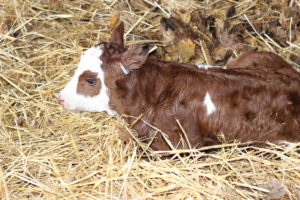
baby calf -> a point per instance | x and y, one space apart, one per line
189 106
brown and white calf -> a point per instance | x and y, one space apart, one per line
190 106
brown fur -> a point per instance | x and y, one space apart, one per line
263 60
252 104
84 88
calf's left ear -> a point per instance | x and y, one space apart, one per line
135 57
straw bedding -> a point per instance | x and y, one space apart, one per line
49 153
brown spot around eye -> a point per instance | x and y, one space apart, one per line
84 88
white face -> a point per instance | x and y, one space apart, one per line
87 91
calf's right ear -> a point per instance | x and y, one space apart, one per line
118 34
135 57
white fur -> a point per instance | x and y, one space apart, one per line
200 66
210 106
73 101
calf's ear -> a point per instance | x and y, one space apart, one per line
117 35
135 57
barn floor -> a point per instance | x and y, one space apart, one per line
49 153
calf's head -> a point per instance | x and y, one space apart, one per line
88 89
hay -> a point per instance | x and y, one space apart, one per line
48 153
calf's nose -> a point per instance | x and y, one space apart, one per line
60 100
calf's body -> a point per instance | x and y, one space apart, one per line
242 104
191 106
263 60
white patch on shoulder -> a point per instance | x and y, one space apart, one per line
200 66
210 106
75 102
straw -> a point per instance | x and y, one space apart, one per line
49 153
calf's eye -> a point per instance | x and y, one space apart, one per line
91 81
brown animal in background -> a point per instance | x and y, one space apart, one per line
189 106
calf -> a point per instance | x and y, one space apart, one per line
189 106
